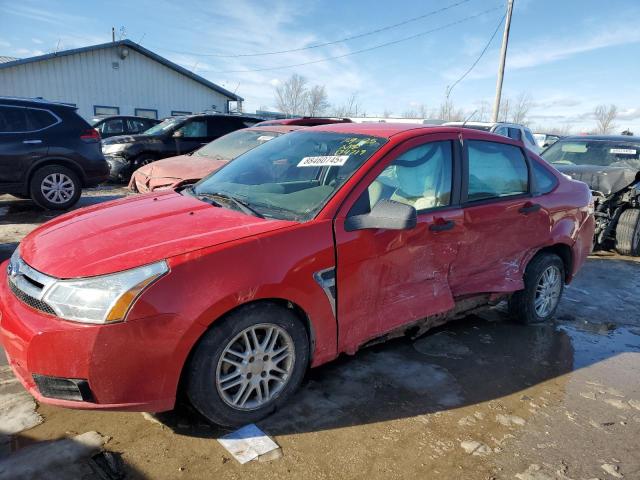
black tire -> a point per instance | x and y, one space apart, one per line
628 233
143 159
201 375
522 303
36 187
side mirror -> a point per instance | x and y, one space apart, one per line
386 214
178 134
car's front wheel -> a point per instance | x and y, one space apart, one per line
55 187
543 286
628 233
248 364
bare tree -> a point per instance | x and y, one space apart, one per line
317 101
387 113
449 113
410 114
605 116
521 107
348 109
291 96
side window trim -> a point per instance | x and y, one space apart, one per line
26 109
464 200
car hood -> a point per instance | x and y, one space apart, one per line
607 180
183 167
135 231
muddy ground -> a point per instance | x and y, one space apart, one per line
480 398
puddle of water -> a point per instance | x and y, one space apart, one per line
596 342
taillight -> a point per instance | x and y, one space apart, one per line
90 135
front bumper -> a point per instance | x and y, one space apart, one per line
119 168
143 183
128 366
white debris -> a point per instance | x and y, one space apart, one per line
509 420
615 402
248 443
475 448
17 413
534 472
41 459
612 470
635 404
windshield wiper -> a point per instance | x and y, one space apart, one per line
240 204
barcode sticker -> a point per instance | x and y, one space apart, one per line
324 161
623 151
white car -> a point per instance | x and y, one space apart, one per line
511 130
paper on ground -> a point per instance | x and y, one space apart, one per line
247 443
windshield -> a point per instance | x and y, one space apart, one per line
236 143
164 126
293 176
606 153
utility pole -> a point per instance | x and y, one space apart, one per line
113 34
503 58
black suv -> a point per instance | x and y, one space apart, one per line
174 136
47 152
112 125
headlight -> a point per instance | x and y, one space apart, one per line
103 299
114 148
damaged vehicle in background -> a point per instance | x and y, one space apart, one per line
178 171
316 243
174 136
610 165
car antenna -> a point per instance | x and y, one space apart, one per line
469 118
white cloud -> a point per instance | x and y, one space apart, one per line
241 29
51 16
37 41
4 43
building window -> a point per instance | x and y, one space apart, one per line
177 113
104 110
146 112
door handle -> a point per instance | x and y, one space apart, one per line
441 226
530 208
31 141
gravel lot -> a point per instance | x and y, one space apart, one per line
480 398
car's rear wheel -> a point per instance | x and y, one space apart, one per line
543 286
55 187
143 160
248 364
628 233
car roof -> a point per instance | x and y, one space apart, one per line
36 102
610 138
277 128
106 117
385 130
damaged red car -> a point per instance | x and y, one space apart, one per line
315 243
182 170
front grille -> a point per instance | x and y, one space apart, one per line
29 300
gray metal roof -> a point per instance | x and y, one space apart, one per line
134 46
4 59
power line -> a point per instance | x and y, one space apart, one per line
325 44
484 50
355 52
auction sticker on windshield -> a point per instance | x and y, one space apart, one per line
324 161
623 151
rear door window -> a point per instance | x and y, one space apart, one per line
40 119
13 119
515 133
136 125
545 180
219 126
113 127
496 170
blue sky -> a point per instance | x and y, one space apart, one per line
568 55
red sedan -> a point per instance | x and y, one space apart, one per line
312 244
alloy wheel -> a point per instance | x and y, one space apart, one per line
255 366
548 291
57 188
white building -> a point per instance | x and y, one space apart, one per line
114 78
